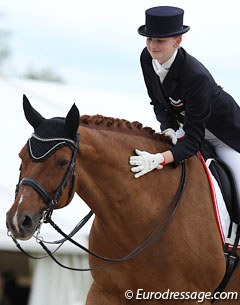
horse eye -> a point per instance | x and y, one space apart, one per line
63 163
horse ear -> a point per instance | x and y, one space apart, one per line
72 121
33 117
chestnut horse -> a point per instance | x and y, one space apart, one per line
187 258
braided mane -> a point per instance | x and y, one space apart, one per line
121 125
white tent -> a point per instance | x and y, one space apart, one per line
51 284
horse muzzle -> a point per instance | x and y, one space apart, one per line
22 225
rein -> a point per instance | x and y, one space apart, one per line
154 235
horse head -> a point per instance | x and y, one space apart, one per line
46 179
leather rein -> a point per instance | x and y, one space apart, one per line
154 235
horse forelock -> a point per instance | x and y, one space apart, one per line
121 125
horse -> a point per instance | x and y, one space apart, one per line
89 155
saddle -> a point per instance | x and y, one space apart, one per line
225 179
223 174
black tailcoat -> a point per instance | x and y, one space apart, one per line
189 95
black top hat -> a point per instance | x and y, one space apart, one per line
163 21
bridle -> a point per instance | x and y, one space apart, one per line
49 200
154 235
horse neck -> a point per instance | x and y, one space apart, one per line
105 181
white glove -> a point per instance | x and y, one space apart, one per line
146 162
169 132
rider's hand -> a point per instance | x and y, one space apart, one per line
146 162
169 132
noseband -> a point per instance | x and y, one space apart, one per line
49 200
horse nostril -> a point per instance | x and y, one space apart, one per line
26 222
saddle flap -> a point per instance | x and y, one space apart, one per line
226 182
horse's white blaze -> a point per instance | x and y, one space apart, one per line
20 200
15 220
15 217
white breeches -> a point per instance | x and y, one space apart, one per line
228 155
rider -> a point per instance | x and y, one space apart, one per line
183 92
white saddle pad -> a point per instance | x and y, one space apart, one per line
221 213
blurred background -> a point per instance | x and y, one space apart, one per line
77 42
87 52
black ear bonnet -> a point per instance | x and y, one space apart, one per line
51 134
47 137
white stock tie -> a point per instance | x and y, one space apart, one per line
162 70
159 70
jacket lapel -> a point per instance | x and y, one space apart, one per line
170 82
162 92
159 93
